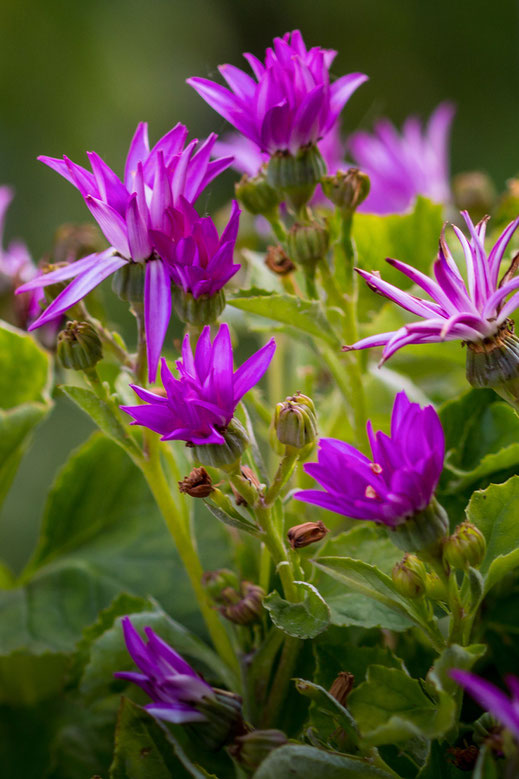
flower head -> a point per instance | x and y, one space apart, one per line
504 708
200 404
397 483
404 165
469 311
289 103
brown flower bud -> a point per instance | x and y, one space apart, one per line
242 607
463 758
278 261
342 686
198 484
307 533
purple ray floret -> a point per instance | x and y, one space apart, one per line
289 102
400 479
403 165
199 405
155 181
469 310
492 699
171 683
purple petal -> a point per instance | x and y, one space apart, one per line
138 239
490 698
157 311
342 89
111 223
63 274
139 149
252 370
177 713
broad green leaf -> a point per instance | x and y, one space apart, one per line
305 619
16 426
325 703
306 315
439 766
495 512
305 762
454 656
390 707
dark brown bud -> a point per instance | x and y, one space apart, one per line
463 758
278 261
307 533
253 480
342 686
198 484
242 607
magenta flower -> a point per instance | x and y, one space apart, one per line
469 311
200 404
154 182
403 165
289 103
400 480
15 261
198 260
504 708
174 687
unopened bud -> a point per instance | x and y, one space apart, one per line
488 730
463 758
466 547
424 531
295 421
128 282
306 534
197 311
278 261
223 720
494 363
216 582
257 195
474 191
251 749
253 480
228 454
409 577
435 589
79 346
198 484
347 190
342 686
308 244
296 175
243 607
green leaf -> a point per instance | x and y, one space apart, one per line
390 707
486 767
104 415
454 656
494 512
235 519
328 705
306 315
16 426
302 620
306 762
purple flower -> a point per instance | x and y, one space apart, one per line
174 687
491 698
198 260
402 166
154 182
469 311
400 480
289 103
200 404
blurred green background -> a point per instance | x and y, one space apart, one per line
80 75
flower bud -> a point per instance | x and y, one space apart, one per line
296 175
243 607
307 244
224 720
487 730
474 191
435 589
464 758
225 455
251 749
128 282
257 195
216 582
278 261
251 477
197 311
306 534
422 532
466 547
198 484
494 363
409 576
347 190
342 686
79 346
295 421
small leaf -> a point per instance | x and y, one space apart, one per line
327 704
305 762
301 620
454 656
233 520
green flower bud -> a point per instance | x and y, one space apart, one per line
296 175
474 191
197 311
79 346
308 244
409 576
347 190
223 723
435 589
295 421
226 455
257 195
423 532
216 582
466 547
242 607
251 749
494 363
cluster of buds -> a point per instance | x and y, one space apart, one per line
347 190
79 346
295 422
465 548
308 533
409 576
239 602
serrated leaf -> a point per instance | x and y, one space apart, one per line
305 619
305 762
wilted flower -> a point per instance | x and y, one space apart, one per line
397 484
491 698
403 166
289 103
199 405
154 182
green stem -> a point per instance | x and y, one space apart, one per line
278 228
283 474
284 673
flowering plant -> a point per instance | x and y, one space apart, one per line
236 575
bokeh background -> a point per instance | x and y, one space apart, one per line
80 75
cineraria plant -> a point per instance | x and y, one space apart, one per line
339 537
